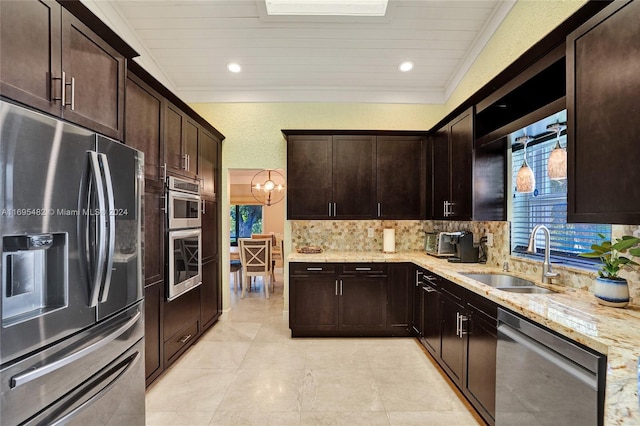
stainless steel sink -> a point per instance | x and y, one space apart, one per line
537 290
500 280
509 283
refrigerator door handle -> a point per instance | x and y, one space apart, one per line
123 366
102 229
110 218
33 374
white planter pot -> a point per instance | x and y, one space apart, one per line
610 292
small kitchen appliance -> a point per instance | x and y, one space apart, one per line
465 251
439 244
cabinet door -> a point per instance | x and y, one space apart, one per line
452 349
209 293
153 229
431 319
30 53
354 177
417 310
309 177
207 162
480 380
209 229
143 125
190 147
400 176
152 331
314 302
95 74
441 173
363 302
399 288
173 128
603 82
461 152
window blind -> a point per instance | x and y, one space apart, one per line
547 205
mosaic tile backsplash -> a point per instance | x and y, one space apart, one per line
352 235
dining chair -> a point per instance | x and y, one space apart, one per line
235 267
274 245
255 256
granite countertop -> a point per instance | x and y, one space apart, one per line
574 313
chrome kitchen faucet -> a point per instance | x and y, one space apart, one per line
547 270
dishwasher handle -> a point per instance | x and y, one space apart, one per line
560 361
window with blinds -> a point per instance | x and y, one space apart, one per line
547 205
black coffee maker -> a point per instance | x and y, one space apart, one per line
465 251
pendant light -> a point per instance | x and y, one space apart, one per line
557 162
267 187
525 180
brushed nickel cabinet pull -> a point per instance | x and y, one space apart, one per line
185 338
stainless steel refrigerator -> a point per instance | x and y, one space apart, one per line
71 338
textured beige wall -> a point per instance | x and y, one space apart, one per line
526 24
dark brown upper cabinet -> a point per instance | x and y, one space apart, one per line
208 154
143 130
603 82
331 177
181 142
453 169
309 176
355 175
401 177
53 62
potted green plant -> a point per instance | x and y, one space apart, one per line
610 288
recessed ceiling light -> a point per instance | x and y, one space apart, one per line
327 7
405 66
234 67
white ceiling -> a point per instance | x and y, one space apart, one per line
188 44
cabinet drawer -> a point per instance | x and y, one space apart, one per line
451 289
183 338
365 268
311 268
477 304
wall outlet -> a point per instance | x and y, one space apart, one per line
636 233
370 232
489 236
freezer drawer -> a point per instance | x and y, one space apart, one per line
48 384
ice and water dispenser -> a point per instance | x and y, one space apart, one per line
34 278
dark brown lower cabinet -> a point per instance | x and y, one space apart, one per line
209 294
313 304
181 324
459 329
152 330
363 302
348 300
431 319
480 379
399 286
453 348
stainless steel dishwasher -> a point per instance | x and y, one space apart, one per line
544 379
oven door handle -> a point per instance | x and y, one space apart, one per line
548 354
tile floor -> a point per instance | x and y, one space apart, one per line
246 370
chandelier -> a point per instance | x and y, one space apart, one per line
267 187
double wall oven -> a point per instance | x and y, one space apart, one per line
184 236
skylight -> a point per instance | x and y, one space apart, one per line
327 7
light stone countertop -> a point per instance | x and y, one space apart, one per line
574 313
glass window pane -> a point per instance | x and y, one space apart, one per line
547 205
